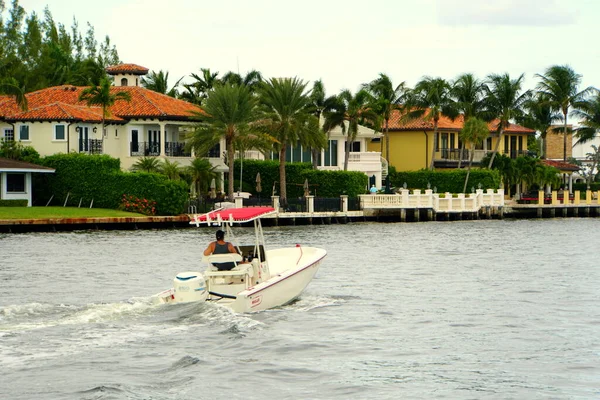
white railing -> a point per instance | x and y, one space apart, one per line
364 157
428 199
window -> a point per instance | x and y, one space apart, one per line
59 132
9 135
15 183
24 132
116 133
123 81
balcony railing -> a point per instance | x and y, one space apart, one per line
176 149
90 146
152 149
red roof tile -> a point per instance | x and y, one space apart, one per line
445 123
62 103
127 69
561 165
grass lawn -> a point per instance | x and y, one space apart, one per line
60 212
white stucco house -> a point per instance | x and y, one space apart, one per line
150 125
15 179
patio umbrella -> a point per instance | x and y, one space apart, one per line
213 189
306 191
258 187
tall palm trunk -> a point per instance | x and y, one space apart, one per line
230 155
282 182
496 147
347 154
435 131
469 167
565 137
387 140
460 156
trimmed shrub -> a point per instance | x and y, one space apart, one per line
323 183
13 203
446 181
98 178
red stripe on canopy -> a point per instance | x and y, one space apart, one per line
239 215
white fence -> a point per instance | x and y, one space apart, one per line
445 203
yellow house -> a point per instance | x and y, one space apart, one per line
411 143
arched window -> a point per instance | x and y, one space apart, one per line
123 81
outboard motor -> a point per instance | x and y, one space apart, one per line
189 286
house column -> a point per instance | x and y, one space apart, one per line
163 138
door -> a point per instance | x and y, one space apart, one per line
84 139
135 144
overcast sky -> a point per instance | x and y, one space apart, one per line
345 43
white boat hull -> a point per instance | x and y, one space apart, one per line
290 270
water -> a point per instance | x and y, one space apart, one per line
456 310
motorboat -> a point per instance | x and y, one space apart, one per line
260 279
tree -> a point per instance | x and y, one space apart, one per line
252 79
10 86
538 115
103 96
504 101
287 117
159 82
589 116
354 109
197 91
386 100
560 87
202 172
229 112
171 170
467 92
431 99
474 132
147 164
320 104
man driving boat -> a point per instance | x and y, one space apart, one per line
220 246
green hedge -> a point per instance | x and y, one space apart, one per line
583 186
98 177
13 203
451 181
323 183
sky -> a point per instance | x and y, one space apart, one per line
345 43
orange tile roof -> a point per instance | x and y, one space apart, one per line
445 123
127 69
61 103
561 165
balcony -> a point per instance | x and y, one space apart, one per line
90 146
152 149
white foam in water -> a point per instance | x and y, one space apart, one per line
308 302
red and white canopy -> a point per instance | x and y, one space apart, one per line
233 215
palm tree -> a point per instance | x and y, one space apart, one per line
431 99
11 87
230 111
103 96
560 86
147 164
159 82
354 109
468 93
287 117
197 91
504 101
201 172
474 132
319 105
538 115
171 169
589 116
386 99
252 79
